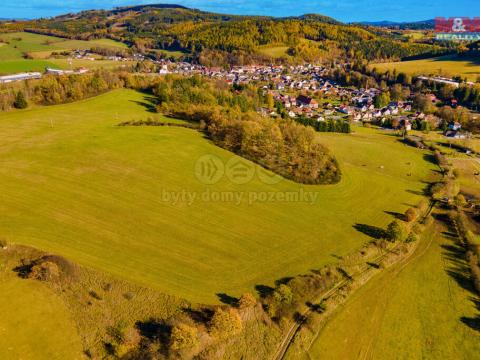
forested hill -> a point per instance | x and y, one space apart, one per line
213 38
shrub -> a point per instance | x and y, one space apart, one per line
411 238
283 295
460 200
411 214
45 271
225 323
395 231
183 336
124 338
247 300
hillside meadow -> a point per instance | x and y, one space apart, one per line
14 47
451 65
47 328
75 184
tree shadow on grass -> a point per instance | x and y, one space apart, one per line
227 299
264 290
473 322
370 230
283 281
430 158
416 192
201 316
458 268
396 215
154 329
150 107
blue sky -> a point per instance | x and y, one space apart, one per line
344 10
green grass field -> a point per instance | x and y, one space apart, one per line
410 311
41 46
274 52
170 53
35 323
75 184
18 66
444 65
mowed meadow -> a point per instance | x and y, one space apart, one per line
450 65
76 184
15 46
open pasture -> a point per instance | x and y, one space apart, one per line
75 184
16 46
443 65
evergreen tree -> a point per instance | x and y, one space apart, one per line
20 101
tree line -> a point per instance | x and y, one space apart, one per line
229 118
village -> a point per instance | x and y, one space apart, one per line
301 91
305 91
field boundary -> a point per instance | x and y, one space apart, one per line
296 327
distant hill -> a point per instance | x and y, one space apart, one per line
212 38
316 17
143 7
416 25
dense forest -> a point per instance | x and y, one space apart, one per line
202 35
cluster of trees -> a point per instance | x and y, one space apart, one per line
111 51
51 89
329 125
468 96
229 118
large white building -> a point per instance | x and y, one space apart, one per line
20 77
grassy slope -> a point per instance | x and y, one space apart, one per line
12 60
93 192
275 51
445 65
410 312
17 66
47 330
468 167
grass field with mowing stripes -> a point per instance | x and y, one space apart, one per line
76 184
